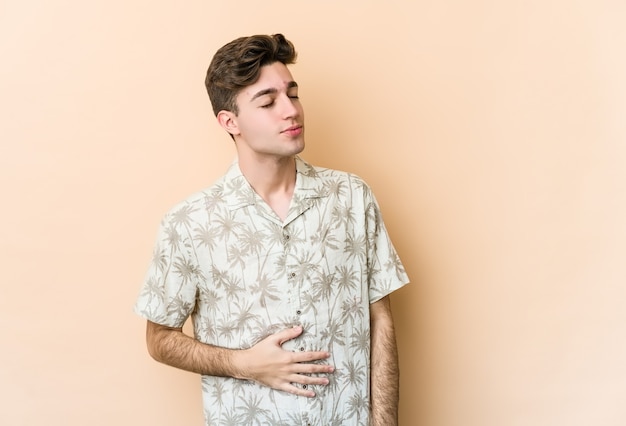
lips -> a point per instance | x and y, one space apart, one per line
293 130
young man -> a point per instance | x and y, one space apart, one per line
285 268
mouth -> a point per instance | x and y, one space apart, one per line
295 130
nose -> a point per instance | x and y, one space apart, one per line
290 107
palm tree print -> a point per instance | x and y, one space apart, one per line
226 261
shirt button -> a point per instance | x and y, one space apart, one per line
298 312
292 275
304 386
286 237
301 348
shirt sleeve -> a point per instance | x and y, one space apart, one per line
385 270
168 295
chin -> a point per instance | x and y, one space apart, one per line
297 148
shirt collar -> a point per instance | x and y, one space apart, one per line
235 190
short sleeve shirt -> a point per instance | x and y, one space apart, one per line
225 258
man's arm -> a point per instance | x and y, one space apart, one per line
385 372
266 363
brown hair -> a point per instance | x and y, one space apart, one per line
238 64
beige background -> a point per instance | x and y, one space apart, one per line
492 132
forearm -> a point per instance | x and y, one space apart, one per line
173 347
384 368
266 363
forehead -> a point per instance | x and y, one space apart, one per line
275 76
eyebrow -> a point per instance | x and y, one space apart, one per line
269 91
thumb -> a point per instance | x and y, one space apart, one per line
288 334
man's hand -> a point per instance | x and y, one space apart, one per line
268 364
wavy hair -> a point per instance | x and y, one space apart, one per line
238 64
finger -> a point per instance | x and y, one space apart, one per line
309 380
296 390
310 356
313 368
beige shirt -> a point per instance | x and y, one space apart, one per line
226 259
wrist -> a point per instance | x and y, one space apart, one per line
238 362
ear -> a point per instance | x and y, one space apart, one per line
228 121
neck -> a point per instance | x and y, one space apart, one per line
273 179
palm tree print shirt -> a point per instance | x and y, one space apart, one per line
224 258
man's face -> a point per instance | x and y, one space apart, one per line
270 122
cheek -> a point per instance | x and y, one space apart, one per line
248 126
